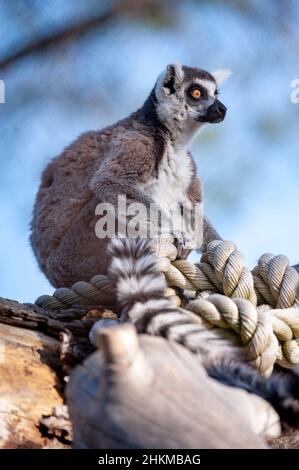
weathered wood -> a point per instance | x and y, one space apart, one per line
37 349
50 322
158 397
288 440
29 387
70 326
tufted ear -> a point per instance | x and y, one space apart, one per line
173 78
221 75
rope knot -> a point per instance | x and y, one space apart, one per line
275 281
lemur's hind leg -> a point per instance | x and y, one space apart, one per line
80 254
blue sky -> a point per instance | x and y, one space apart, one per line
249 163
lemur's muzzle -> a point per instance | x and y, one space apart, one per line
216 112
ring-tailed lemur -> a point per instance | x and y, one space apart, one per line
140 291
144 157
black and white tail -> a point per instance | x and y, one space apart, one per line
140 288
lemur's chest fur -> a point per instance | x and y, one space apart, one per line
174 175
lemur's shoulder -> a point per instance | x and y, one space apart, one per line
132 149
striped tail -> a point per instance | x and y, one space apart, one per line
140 286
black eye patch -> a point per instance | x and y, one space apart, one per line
193 88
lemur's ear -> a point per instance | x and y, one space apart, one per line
221 75
173 78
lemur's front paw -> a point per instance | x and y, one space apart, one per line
184 244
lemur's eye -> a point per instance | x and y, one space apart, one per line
196 93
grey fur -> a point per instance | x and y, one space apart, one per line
130 157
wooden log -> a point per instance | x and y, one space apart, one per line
154 394
288 440
29 388
37 349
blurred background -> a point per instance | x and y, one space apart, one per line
71 66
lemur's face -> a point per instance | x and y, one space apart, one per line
188 96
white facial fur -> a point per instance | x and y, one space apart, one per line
210 86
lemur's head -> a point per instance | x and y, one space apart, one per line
187 97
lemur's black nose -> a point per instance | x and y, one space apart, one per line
216 112
220 108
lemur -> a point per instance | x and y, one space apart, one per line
144 156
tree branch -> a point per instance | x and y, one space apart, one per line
71 32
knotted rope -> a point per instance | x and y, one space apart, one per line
261 306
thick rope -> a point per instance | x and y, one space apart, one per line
254 329
261 306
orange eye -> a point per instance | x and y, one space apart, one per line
196 93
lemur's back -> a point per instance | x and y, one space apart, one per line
65 189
